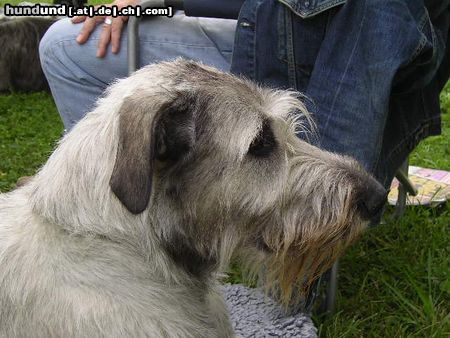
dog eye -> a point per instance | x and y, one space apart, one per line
264 143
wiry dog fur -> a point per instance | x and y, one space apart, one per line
20 67
124 230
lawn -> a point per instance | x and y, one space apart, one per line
393 283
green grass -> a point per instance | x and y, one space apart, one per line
435 151
393 283
29 128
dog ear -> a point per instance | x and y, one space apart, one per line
175 128
144 137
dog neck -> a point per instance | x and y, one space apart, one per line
72 188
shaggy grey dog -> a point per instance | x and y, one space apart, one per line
126 228
20 67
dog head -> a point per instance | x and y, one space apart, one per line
216 161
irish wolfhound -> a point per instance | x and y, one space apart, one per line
124 230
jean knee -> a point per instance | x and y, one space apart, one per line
61 30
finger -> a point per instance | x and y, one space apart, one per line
116 32
105 38
86 30
78 19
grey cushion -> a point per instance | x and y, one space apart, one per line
253 314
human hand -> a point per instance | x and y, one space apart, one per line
111 30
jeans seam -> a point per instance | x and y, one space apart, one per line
62 42
422 22
214 43
292 76
405 141
346 69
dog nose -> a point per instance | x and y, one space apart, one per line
371 199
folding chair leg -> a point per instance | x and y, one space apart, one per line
332 284
405 187
133 35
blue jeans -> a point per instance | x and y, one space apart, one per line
77 78
372 69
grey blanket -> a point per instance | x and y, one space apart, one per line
255 315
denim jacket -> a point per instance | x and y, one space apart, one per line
372 69
309 8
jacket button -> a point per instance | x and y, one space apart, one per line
245 24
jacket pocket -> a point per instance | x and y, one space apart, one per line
309 8
299 39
